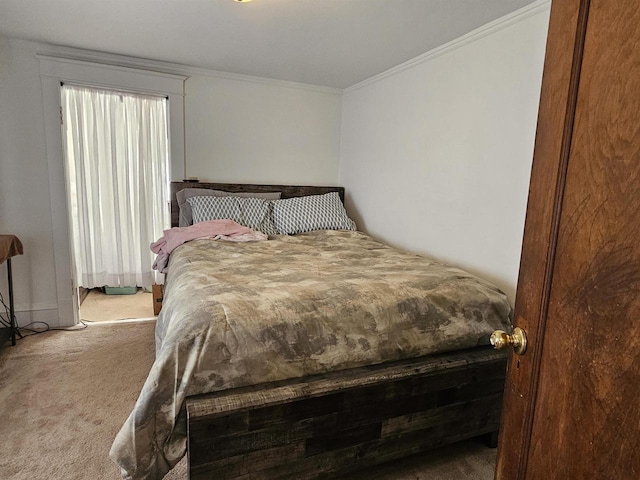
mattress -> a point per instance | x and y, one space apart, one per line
238 314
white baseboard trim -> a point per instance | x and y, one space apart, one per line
28 317
24 307
126 320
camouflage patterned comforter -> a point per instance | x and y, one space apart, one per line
236 314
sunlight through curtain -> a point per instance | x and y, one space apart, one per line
117 164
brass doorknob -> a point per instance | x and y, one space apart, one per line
518 340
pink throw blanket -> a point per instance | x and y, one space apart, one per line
217 229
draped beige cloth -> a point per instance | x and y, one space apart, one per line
10 246
237 314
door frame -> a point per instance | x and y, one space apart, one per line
53 72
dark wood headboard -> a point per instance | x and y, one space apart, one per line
287 191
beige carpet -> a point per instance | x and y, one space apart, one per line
64 396
98 307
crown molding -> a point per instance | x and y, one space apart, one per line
267 81
160 67
108 66
122 61
492 27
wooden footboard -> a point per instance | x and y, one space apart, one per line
336 423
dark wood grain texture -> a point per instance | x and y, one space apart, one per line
328 425
551 152
570 406
287 191
595 295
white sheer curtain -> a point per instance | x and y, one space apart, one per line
116 147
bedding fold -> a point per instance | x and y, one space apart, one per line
217 229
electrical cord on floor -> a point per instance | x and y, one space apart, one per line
26 328
51 329
6 323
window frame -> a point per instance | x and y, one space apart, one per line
53 72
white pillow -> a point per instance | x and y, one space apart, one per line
312 212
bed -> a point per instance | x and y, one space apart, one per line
311 355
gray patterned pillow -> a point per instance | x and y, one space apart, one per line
257 214
186 217
215 208
312 212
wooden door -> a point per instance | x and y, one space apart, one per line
572 401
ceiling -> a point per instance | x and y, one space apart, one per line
333 43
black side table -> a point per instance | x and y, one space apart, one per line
10 246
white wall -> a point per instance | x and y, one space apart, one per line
238 129
243 130
24 183
435 158
436 155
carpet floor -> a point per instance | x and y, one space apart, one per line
65 394
99 307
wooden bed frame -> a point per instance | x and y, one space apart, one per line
328 425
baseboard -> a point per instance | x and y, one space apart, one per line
28 317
